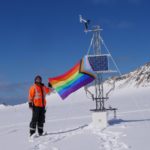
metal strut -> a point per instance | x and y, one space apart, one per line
99 90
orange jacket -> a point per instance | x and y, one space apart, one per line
35 95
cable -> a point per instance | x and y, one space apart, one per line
90 45
111 56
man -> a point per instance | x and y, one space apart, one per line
37 103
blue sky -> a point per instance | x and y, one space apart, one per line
45 37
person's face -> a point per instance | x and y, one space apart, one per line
38 80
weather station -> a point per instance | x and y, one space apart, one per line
101 63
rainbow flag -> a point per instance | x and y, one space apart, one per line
78 76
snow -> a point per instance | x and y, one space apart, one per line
2 106
69 126
137 78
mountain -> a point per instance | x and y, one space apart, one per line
137 78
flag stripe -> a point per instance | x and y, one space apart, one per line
66 75
76 87
72 80
84 79
69 82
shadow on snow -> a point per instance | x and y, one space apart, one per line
119 121
66 131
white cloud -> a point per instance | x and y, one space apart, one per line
11 87
13 93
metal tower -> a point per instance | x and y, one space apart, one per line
96 45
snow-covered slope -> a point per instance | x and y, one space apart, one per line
137 78
69 127
2 106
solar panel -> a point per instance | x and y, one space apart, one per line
99 62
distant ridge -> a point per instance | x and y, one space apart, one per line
137 78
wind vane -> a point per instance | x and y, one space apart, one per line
85 22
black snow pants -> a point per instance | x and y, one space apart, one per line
38 120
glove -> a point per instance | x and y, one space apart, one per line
30 105
49 85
